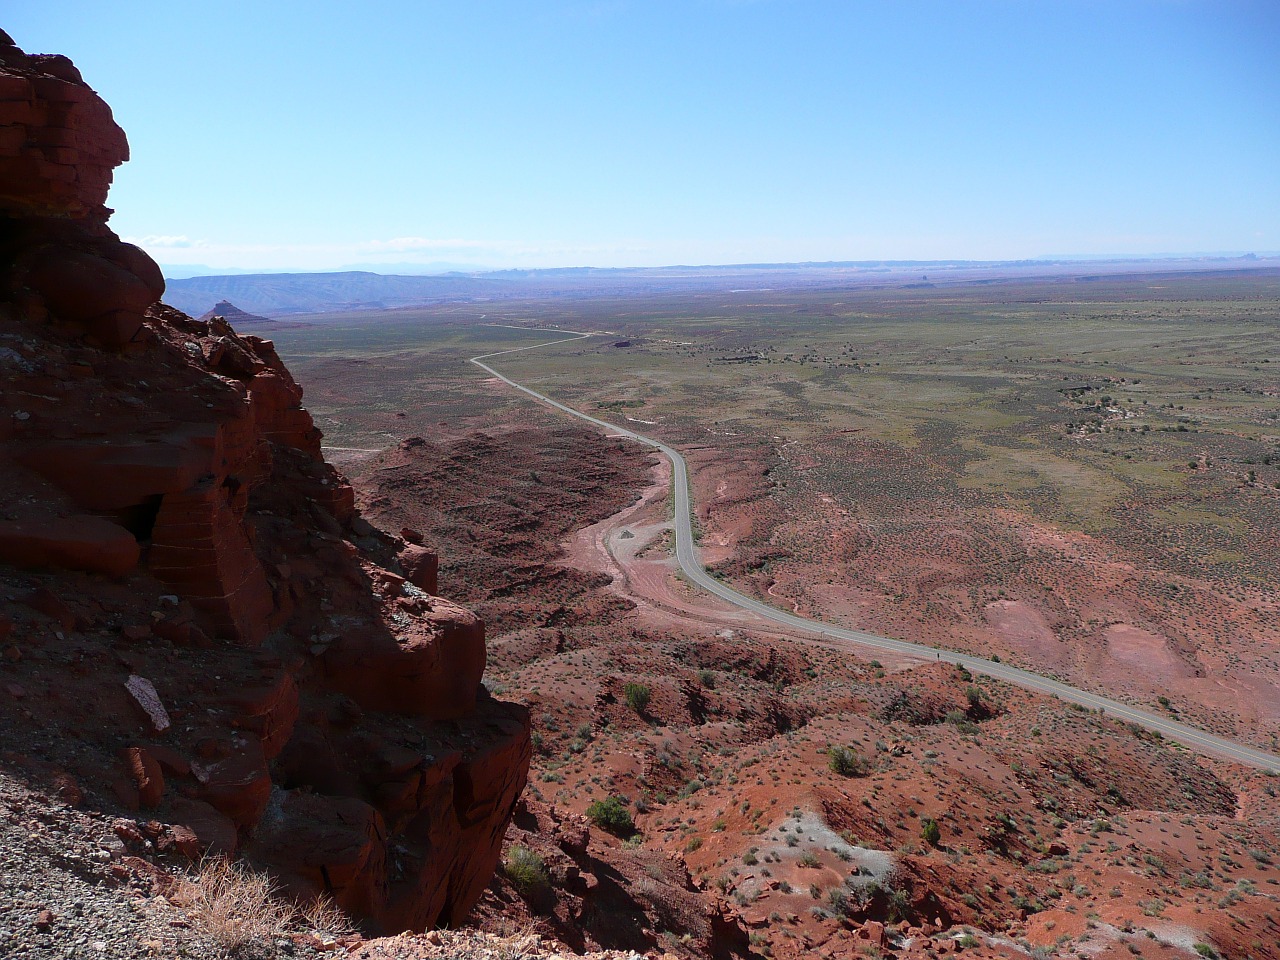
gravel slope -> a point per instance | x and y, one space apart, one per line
70 890
66 889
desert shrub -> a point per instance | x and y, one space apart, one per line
637 696
976 706
1206 951
525 869
838 901
846 762
899 904
611 814
930 832
692 787
234 905
960 720
707 678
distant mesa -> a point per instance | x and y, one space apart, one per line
232 314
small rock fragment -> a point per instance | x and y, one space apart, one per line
144 692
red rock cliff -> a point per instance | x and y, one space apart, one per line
191 603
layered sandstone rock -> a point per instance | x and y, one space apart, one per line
167 512
58 141
58 147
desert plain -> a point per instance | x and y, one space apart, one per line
1078 476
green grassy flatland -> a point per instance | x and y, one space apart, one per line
1066 406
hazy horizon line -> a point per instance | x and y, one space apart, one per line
190 271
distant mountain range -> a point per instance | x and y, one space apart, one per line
287 294
279 294
181 271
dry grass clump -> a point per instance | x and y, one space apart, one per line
323 919
240 908
233 904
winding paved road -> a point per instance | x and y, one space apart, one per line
687 557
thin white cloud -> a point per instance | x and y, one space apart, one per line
164 241
179 250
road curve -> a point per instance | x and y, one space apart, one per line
687 556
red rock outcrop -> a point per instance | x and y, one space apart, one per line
59 143
58 147
268 678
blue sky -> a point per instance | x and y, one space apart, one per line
314 135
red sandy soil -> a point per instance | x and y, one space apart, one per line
909 559
1061 831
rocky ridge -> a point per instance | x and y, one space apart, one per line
199 629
